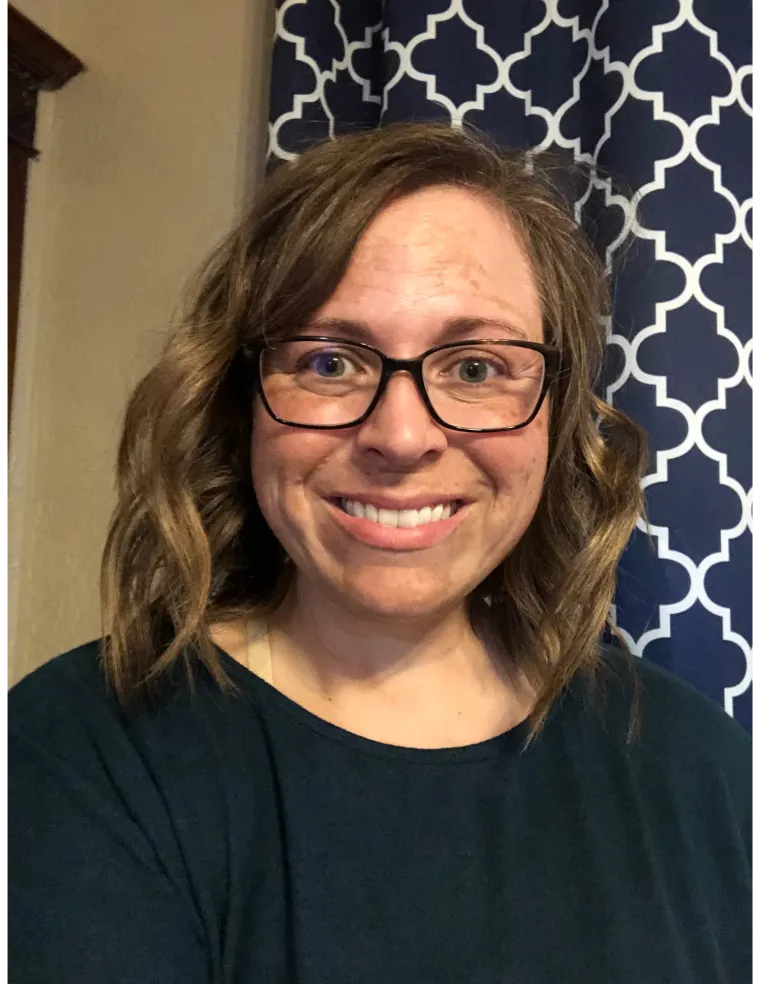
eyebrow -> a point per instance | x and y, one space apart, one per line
453 328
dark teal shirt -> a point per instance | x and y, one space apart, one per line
243 840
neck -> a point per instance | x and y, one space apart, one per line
340 652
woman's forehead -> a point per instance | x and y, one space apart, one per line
434 256
439 223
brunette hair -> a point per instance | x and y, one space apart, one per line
188 546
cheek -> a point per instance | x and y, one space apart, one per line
283 460
517 462
266 461
272 466
534 470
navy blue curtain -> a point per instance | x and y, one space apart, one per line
657 92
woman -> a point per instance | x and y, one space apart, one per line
351 720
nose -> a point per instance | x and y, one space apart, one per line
400 427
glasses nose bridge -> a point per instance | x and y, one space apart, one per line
412 366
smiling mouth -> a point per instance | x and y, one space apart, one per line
399 518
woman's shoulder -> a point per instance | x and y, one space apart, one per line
71 682
682 737
668 703
81 662
69 699
66 726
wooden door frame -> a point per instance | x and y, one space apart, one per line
35 61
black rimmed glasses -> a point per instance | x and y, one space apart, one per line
477 385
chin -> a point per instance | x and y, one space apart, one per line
398 594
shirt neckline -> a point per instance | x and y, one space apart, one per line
508 741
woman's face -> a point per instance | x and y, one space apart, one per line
439 254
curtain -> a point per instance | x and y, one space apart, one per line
658 94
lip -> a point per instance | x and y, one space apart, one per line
393 537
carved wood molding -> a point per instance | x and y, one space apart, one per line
35 61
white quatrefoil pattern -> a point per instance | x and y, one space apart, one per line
657 93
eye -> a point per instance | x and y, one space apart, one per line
329 365
472 370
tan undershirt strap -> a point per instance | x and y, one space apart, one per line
258 649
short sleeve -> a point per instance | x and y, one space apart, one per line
90 898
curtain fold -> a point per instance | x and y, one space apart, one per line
658 94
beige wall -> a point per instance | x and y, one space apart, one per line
146 159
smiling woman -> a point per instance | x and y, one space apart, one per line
351 718
405 239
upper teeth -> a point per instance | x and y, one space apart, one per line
406 518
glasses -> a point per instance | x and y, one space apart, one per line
477 385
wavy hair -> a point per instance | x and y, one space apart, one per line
188 546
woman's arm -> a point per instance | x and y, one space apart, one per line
91 898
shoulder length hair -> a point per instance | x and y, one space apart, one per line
188 546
